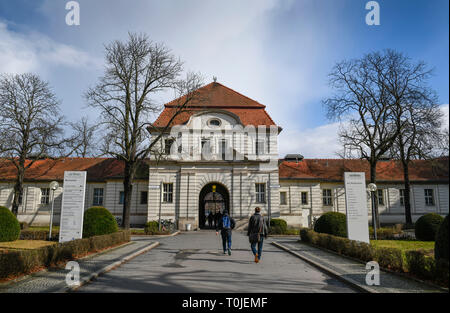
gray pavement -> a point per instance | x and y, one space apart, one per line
355 270
194 262
54 280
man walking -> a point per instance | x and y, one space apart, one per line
225 225
257 230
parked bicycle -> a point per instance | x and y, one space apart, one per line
167 225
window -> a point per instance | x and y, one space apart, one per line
168 192
260 193
144 197
214 122
304 197
223 149
283 197
121 197
380 196
167 145
402 197
45 195
326 196
260 146
429 199
206 148
98 196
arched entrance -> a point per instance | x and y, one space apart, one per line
213 198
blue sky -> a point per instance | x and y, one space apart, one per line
277 52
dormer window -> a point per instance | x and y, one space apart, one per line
214 122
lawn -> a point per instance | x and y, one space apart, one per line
404 245
46 228
25 244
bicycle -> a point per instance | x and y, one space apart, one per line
167 225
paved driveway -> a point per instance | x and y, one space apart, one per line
194 262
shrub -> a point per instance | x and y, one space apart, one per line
442 271
151 228
333 223
98 221
390 258
442 245
9 225
278 226
419 264
427 226
31 234
17 262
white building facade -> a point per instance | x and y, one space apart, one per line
222 154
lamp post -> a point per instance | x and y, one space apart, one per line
53 186
372 189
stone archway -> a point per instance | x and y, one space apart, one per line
214 197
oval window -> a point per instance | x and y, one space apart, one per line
214 122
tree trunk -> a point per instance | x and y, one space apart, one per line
373 179
18 187
406 194
127 190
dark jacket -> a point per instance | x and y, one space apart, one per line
254 225
219 225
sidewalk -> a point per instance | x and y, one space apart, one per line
54 280
352 271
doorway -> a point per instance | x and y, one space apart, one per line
213 200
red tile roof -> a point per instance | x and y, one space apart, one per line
217 96
387 171
98 169
102 169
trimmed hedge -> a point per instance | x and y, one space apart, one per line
16 262
98 221
441 246
151 228
9 225
416 262
30 234
427 226
333 223
278 226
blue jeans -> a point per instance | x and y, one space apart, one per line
226 238
260 246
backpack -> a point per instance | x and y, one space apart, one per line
226 222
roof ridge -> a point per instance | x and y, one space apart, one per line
239 93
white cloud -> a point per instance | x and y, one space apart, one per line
317 142
35 52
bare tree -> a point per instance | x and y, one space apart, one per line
136 71
416 114
30 125
84 144
364 103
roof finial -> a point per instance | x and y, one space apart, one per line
215 79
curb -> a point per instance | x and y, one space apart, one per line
354 284
110 267
5 285
386 270
157 236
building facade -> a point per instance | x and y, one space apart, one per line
222 153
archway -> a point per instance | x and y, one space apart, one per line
213 198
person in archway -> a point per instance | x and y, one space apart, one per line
225 225
257 231
210 218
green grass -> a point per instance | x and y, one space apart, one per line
404 245
25 244
46 228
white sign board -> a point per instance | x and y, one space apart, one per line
72 210
356 206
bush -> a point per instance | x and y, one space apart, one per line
9 225
390 258
333 223
30 234
427 226
98 221
442 245
17 262
419 264
151 228
278 226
